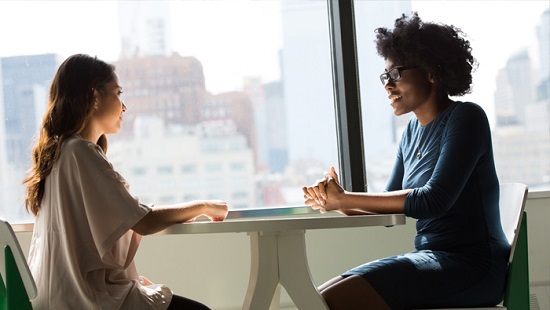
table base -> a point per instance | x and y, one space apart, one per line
280 258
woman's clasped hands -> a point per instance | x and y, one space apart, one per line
325 194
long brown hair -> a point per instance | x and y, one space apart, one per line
70 104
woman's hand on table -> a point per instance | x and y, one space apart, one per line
325 193
216 210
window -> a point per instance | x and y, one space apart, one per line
188 169
512 82
246 85
165 170
139 171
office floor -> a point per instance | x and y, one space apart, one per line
540 299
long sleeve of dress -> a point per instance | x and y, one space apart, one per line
465 157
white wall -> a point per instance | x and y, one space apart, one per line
214 268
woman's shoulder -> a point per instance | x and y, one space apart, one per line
76 142
468 116
468 107
81 147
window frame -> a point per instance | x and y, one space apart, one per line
347 100
349 128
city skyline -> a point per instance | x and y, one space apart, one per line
24 15
306 80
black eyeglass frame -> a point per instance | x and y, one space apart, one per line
396 72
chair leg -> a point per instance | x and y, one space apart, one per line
517 289
3 295
17 297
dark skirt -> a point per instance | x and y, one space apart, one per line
424 279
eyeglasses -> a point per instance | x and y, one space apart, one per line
394 74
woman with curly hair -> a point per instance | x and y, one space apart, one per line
444 176
88 227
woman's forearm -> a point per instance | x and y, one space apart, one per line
162 217
387 202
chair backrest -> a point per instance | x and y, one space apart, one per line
9 240
512 205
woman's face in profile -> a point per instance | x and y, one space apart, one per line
411 90
108 112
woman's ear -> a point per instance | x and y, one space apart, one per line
96 97
431 78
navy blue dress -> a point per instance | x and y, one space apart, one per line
461 251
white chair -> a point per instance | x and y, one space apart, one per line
17 285
514 222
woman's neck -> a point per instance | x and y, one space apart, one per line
431 111
89 133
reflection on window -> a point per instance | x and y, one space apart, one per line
166 170
512 83
213 168
188 169
139 171
240 195
190 197
235 167
245 108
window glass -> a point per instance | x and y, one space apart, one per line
512 82
226 99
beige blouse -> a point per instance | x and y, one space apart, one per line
82 249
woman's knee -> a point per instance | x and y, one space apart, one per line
353 292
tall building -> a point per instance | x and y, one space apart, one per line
307 76
144 28
4 177
308 80
543 36
254 90
160 82
210 160
277 149
376 111
235 107
25 83
23 99
521 138
514 90
194 140
171 87
269 124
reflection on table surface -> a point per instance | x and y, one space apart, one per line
273 212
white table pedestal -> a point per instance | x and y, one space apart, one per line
280 258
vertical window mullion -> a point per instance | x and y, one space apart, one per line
346 93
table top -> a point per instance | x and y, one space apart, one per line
283 219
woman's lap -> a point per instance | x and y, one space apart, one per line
183 303
432 278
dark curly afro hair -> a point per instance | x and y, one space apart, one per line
441 50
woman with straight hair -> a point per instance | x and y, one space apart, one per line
87 225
